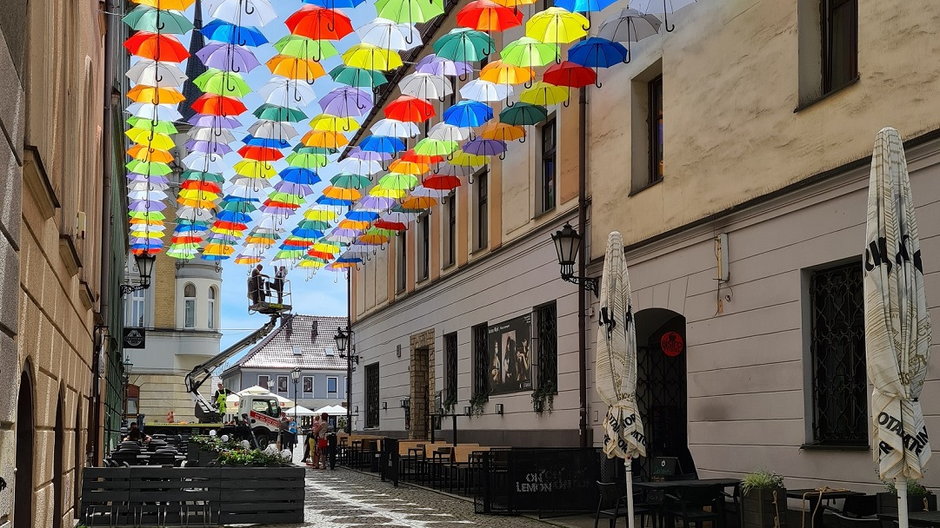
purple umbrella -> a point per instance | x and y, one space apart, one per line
227 57
368 155
208 147
485 147
133 176
293 188
376 203
346 101
146 205
219 122
440 66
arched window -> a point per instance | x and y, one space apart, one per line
212 308
189 296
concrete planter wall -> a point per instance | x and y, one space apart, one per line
760 508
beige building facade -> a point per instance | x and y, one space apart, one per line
732 153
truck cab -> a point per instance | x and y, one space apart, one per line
262 414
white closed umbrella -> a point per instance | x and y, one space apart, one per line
615 365
897 324
425 86
153 73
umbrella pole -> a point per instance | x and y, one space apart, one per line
628 468
900 484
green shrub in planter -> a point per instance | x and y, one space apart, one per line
919 498
763 500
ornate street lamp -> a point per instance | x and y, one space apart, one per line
145 269
567 244
295 377
344 340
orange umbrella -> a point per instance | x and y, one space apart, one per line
295 67
502 131
408 167
141 152
484 15
151 95
333 140
500 72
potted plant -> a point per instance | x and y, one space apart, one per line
919 498
763 500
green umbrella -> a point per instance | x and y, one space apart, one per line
409 11
305 48
155 168
398 182
526 52
435 147
523 114
324 151
307 161
203 176
160 127
273 112
165 21
464 45
350 181
357 77
222 83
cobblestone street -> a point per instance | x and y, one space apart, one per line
346 499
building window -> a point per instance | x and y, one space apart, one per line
837 349
546 186
482 209
401 256
372 395
453 91
481 367
133 400
450 370
263 381
282 384
840 43
424 243
134 313
332 387
655 121
546 327
308 385
189 300
211 308
450 230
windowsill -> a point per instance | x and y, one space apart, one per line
448 266
544 213
421 280
835 447
653 183
825 96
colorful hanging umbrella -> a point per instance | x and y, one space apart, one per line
152 95
441 66
484 147
584 6
468 114
228 57
484 91
218 105
569 74
176 5
389 34
418 202
598 53
371 57
394 128
156 46
502 131
629 26
408 11
444 182
350 181
385 144
333 140
332 123
153 73
523 114
484 15
544 94
295 68
398 182
222 83
346 101
221 31
526 52
279 113
435 147
409 109
408 167
318 23
305 48
444 132
464 45
425 86
244 12
465 159
557 25
166 21
500 72
357 77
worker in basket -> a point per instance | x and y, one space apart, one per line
257 285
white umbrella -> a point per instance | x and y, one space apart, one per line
425 86
615 364
332 410
153 73
300 410
394 128
388 34
897 324
480 90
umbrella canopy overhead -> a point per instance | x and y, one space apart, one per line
897 323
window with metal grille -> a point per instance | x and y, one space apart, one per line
840 43
482 231
547 181
424 246
481 383
546 327
401 255
657 167
372 395
837 349
450 369
450 230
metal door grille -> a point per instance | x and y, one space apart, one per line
372 395
481 385
546 321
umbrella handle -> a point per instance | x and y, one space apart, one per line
158 77
669 28
249 9
235 68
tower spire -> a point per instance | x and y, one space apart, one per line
195 67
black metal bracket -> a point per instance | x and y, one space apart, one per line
589 283
128 288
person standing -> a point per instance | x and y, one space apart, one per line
330 445
314 442
279 277
256 284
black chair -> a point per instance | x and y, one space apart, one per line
105 494
611 503
844 521
860 506
690 503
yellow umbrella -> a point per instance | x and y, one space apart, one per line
369 57
333 140
316 264
544 94
464 159
341 193
322 215
326 247
514 3
502 131
332 123
500 72
353 224
150 139
383 192
177 5
557 25
254 168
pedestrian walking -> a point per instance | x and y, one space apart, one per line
314 442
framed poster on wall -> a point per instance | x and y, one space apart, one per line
509 347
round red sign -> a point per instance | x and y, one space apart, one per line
672 344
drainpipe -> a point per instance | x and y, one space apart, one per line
349 352
582 304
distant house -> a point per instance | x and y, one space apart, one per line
304 341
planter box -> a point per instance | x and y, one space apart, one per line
759 511
263 495
888 503
199 457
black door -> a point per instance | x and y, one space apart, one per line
23 502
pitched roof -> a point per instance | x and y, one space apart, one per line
310 335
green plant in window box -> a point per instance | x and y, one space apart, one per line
919 498
449 404
477 403
763 500
543 398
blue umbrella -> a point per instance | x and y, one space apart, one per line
305 233
335 4
233 216
583 6
241 35
362 216
468 114
325 200
253 141
596 52
387 144
299 175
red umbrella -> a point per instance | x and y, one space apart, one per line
442 182
319 23
484 15
320 254
213 104
410 155
164 48
569 74
408 108
260 153
386 224
201 186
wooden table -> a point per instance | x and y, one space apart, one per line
918 518
814 496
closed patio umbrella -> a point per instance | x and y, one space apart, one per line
615 364
897 325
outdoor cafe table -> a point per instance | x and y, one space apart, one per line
916 518
667 485
813 497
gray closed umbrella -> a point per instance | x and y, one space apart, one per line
615 364
897 325
629 26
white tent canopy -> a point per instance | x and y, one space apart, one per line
300 410
255 390
332 410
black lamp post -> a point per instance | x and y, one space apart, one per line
145 269
343 340
127 379
295 377
567 244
